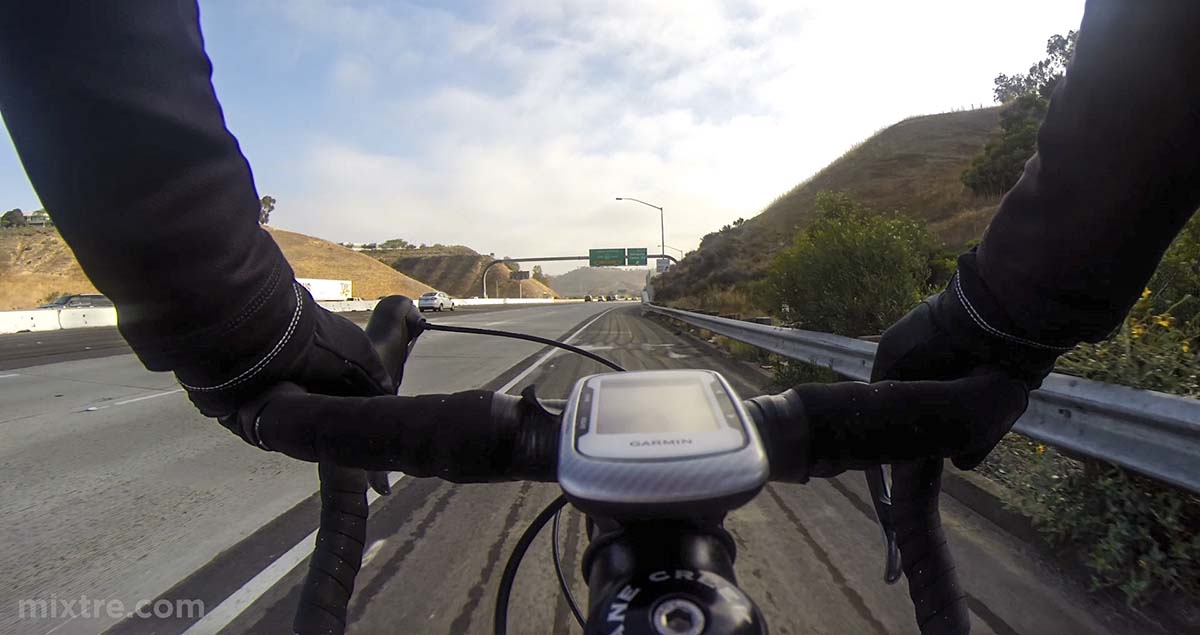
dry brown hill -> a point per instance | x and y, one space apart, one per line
912 167
456 270
315 258
35 267
600 281
35 264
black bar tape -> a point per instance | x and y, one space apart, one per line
474 436
784 429
937 597
338 554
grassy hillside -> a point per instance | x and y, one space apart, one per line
315 258
912 167
602 281
35 264
457 269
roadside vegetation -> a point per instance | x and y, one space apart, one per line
836 255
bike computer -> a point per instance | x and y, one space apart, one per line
651 444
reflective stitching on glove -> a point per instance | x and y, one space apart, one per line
262 363
962 297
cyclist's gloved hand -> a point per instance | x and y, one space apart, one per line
320 351
956 333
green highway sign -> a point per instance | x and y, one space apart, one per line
636 256
606 257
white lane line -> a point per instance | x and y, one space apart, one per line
145 397
227 611
373 551
525 373
7 376
134 400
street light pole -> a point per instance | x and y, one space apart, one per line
661 221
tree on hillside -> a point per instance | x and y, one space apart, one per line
995 170
1042 76
1025 97
395 243
538 275
851 271
13 218
266 206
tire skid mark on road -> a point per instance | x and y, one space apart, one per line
856 600
564 621
391 567
859 504
462 622
994 622
977 606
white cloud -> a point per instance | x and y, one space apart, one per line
353 74
513 130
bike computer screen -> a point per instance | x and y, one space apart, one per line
656 443
670 403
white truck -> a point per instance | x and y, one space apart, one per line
326 290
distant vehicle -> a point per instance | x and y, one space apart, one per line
79 301
435 301
611 298
587 298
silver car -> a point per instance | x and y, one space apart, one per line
435 301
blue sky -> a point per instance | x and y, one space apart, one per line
511 126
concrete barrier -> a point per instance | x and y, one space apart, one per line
503 301
32 320
55 319
342 306
80 318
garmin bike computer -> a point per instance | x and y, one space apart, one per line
650 444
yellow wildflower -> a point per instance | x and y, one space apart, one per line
1163 320
1041 449
1186 348
1146 293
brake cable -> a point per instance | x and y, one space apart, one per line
434 326
552 511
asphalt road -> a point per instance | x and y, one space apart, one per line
113 488
809 555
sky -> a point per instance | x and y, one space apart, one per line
512 126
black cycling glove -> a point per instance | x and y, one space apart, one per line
318 350
959 332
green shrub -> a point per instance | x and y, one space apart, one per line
999 166
790 372
850 272
1151 350
1133 533
1178 276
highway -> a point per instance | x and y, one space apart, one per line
115 488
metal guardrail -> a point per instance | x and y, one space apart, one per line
1149 432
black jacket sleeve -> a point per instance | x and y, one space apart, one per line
1116 176
112 111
